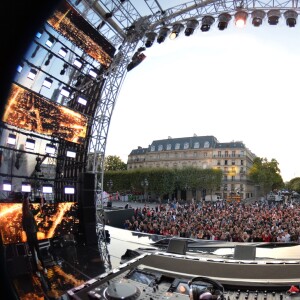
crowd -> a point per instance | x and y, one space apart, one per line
234 222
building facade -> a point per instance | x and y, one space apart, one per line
234 159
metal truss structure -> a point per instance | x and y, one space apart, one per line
125 24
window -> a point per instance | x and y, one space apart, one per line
205 154
225 162
219 154
152 148
226 170
242 162
206 144
219 163
233 162
186 146
233 154
226 153
232 178
196 145
169 147
177 146
160 147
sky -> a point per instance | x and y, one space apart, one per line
239 84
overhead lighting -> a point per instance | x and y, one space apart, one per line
207 21
26 187
65 92
20 67
47 189
177 28
63 52
190 27
273 16
291 18
32 73
47 82
240 18
151 36
11 139
71 153
137 58
39 34
93 72
78 63
70 190
257 17
82 100
224 19
6 185
50 149
30 144
50 42
163 33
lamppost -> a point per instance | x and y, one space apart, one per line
145 184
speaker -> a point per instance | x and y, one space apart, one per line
177 246
244 252
87 189
89 214
90 236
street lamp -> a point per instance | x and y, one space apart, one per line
145 184
109 184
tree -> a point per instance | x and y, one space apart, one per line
114 163
294 184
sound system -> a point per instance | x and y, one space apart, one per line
87 189
244 252
177 246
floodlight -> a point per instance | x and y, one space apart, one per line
11 139
151 36
6 185
207 21
71 153
30 144
240 18
50 41
50 149
273 16
32 73
163 33
47 82
78 63
65 92
137 58
291 18
63 52
190 27
93 72
26 187
20 67
257 17
70 190
47 189
82 100
224 19
177 28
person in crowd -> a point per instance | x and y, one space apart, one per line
30 227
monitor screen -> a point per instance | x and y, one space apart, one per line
53 220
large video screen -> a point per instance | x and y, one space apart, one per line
68 22
53 220
29 111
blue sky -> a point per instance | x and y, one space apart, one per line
238 84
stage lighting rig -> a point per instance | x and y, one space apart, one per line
207 21
190 27
257 17
177 28
240 18
163 33
291 18
151 36
224 19
273 16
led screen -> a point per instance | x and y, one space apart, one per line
53 220
68 22
29 111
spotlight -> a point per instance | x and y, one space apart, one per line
71 153
30 144
20 67
108 15
137 58
82 100
6 186
177 28
151 36
26 187
39 34
240 18
78 63
65 92
291 18
32 73
38 164
163 33
207 21
190 27
12 139
257 17
47 189
50 149
63 52
93 72
50 41
47 83
273 16
223 21
69 190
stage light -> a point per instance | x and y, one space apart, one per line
6 185
137 58
26 187
224 19
177 28
70 190
190 27
30 144
20 67
39 34
47 82
257 17
207 21
32 73
47 189
291 18
93 72
240 18
273 16
151 36
50 149
71 153
163 33
82 100
78 63
11 139
65 92
50 42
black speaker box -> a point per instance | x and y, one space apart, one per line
87 189
177 246
244 252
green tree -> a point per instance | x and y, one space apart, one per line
114 163
294 184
